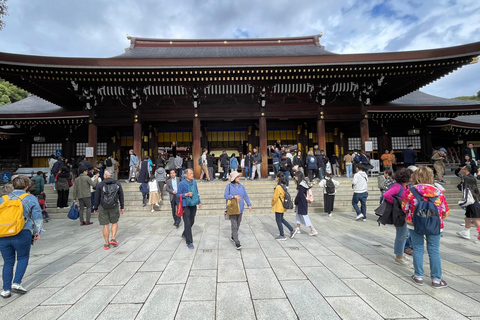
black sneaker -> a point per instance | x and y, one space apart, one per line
239 246
231 239
418 281
439 284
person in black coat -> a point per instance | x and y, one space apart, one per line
144 171
286 166
301 203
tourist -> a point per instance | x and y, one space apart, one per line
311 166
329 187
298 161
472 152
178 165
82 194
172 188
289 154
472 210
170 163
110 164
321 163
276 155
210 161
286 167
348 164
256 164
301 203
423 184
402 178
160 161
51 162
39 182
133 164
204 166
248 165
188 190
394 161
17 247
439 157
408 156
360 192
62 185
144 174
224 162
108 196
117 169
94 175
385 181
144 190
214 167
153 194
233 163
335 165
161 177
235 190
387 160
278 208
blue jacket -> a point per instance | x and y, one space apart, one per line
233 163
233 189
143 187
183 188
275 155
408 156
312 163
133 160
30 203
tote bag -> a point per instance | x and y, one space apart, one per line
233 207
73 213
179 211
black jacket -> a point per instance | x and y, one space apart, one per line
298 161
301 201
285 164
248 161
224 160
256 157
99 193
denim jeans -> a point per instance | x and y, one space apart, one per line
408 243
362 197
248 171
433 249
349 170
18 245
280 220
320 173
189 213
225 172
400 239
287 176
276 168
311 174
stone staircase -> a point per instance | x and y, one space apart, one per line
260 193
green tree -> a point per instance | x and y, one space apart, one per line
3 12
478 94
10 93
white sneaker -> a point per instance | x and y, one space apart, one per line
18 289
5 294
462 224
152 211
401 262
298 230
464 234
313 232
364 220
330 214
360 216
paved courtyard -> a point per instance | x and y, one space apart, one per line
346 272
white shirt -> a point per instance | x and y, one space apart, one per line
360 182
152 186
242 163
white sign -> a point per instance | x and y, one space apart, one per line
368 146
89 152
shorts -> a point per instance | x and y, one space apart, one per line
107 216
473 211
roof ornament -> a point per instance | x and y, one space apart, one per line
317 40
128 37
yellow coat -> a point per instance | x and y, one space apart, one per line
277 200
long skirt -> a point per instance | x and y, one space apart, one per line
328 201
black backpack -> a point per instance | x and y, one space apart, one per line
200 162
110 196
330 186
287 200
109 162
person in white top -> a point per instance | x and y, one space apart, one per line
154 195
329 186
360 192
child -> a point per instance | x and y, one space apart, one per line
154 195
41 201
144 190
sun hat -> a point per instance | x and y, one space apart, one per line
233 175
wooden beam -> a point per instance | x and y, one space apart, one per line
263 145
92 141
197 148
321 134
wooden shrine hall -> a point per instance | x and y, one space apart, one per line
234 94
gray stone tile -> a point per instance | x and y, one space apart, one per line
307 302
110 262
26 303
75 290
342 269
431 308
272 249
66 276
274 309
61 264
387 305
171 242
313 245
157 261
205 259
35 280
120 311
144 251
302 257
353 308
351 256
46 312
200 288
177 271
92 304
230 270
121 274
162 302
229 253
326 282
138 288
263 284
286 269
233 299
389 281
203 273
196 310
457 269
473 295
254 258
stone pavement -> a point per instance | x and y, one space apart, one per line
346 272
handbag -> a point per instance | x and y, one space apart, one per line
233 207
179 211
70 183
467 199
73 212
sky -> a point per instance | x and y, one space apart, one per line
98 28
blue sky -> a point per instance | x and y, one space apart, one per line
97 28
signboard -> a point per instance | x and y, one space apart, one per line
368 146
89 152
6 176
58 152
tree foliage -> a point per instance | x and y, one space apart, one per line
3 12
475 98
10 93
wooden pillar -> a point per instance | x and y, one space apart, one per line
321 134
387 141
263 145
426 144
336 148
137 139
343 150
364 133
25 152
92 141
197 148
68 148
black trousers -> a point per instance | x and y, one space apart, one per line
189 213
62 200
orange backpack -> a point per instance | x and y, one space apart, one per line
12 220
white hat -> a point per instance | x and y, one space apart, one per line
233 175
